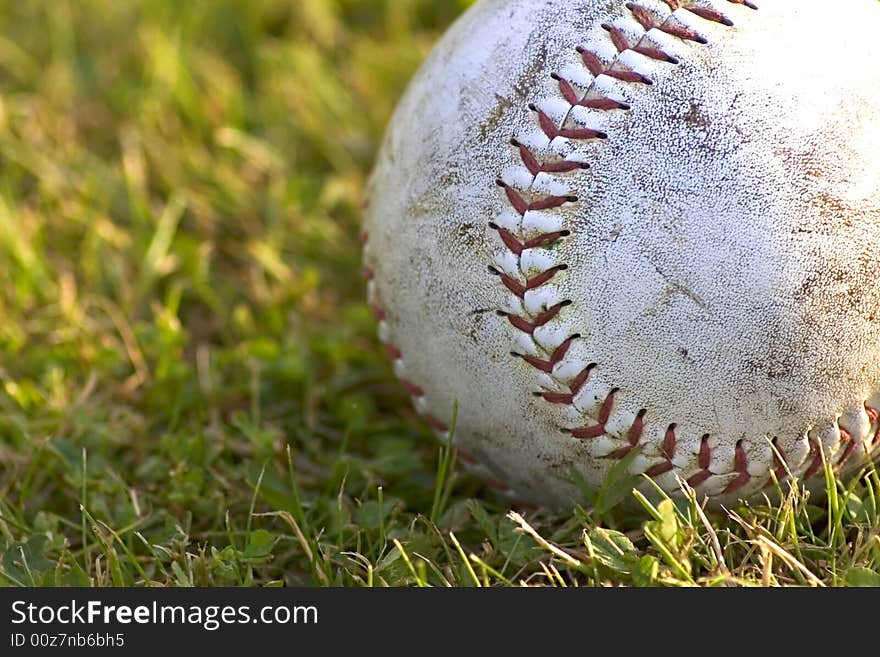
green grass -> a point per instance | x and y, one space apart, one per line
192 393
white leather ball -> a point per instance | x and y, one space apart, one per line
644 232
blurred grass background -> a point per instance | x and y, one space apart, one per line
192 393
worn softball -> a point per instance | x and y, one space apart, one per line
639 233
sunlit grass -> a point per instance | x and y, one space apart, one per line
190 388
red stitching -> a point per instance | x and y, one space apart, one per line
847 439
531 283
709 15
647 21
618 38
544 203
436 423
745 3
395 354
816 454
529 327
668 450
780 462
874 418
497 485
632 437
512 243
741 466
704 460
411 388
555 358
574 388
596 67
467 457
596 430
535 166
549 128
598 101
